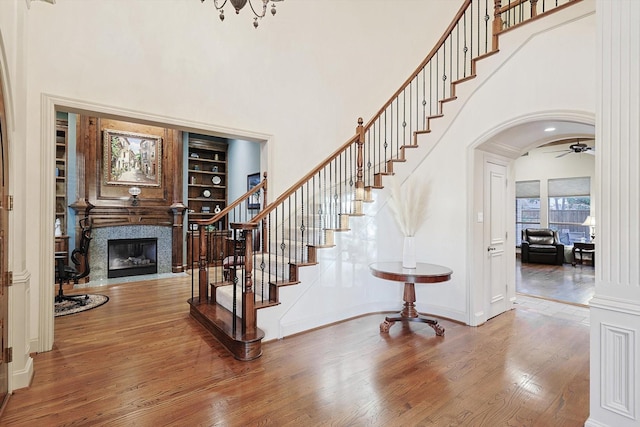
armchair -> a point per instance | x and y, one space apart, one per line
541 245
65 273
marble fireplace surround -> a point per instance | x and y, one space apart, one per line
98 255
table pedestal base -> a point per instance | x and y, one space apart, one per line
410 314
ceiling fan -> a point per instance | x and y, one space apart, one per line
578 147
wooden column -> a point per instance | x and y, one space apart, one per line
497 23
177 247
249 321
615 307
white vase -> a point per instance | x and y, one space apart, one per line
409 253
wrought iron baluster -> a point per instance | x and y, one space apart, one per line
291 241
430 92
424 99
385 147
486 26
404 122
316 238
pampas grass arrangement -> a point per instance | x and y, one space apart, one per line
409 204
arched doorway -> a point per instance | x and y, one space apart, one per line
503 145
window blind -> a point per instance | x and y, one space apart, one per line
566 187
527 189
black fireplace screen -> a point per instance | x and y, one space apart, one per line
132 257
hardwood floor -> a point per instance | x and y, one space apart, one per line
565 283
141 360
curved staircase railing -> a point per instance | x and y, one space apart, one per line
305 218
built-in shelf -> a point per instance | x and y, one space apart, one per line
62 242
206 177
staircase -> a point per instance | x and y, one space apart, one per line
266 249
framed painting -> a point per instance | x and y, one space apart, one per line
254 200
132 158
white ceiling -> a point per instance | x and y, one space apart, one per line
520 138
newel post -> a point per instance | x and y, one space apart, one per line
534 8
497 23
202 265
177 212
248 301
360 161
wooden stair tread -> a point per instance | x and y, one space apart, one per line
451 98
265 304
304 264
464 79
219 284
284 282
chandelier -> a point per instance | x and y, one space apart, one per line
239 4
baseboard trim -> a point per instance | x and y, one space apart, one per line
23 377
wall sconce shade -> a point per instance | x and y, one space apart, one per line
135 192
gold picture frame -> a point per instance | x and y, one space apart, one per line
132 158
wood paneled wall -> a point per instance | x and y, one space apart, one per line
111 204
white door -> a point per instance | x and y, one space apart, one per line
495 234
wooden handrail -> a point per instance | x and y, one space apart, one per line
217 217
306 216
263 214
509 6
499 10
435 49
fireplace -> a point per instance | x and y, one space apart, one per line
132 257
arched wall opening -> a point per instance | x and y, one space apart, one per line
504 144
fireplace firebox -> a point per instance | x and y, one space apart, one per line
132 257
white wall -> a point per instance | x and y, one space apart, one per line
301 79
23 329
244 159
538 75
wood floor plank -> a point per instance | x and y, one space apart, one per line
566 283
142 360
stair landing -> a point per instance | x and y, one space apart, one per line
219 322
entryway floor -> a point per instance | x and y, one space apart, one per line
563 283
559 310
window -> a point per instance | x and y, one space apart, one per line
569 206
527 207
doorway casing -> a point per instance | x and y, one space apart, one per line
506 143
50 104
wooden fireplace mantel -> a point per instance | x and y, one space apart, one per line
109 204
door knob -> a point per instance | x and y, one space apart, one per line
489 249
